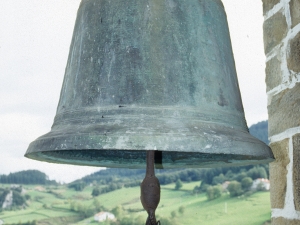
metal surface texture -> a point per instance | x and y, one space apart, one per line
150 75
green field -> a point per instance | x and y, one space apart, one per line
52 206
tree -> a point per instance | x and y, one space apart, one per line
257 172
85 211
166 221
140 220
210 193
196 190
77 185
239 177
117 211
203 186
73 206
178 184
88 211
97 205
173 214
246 183
235 188
181 209
113 186
96 191
262 172
213 192
219 179
229 175
208 176
127 221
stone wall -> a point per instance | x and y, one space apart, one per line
282 49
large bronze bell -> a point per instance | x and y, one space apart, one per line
150 75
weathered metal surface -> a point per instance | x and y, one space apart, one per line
150 75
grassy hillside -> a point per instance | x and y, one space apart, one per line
52 206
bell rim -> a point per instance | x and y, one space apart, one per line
218 161
230 148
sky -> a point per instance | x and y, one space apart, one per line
35 37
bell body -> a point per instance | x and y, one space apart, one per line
150 75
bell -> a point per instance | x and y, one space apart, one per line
150 75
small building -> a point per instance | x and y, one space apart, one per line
261 183
225 185
39 188
102 216
8 201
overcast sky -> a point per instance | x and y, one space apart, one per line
35 36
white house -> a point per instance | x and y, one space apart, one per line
225 185
8 201
265 184
102 216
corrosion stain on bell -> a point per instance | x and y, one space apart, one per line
149 72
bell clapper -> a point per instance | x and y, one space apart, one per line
150 190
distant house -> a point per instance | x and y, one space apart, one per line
225 185
8 201
39 188
261 183
102 216
15 186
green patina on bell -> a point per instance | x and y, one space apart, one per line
150 75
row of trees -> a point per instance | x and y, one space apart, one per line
123 219
208 177
101 190
122 215
26 177
219 175
235 188
78 185
26 223
255 172
86 211
240 183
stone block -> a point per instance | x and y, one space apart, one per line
295 12
296 170
278 172
284 110
269 4
275 29
273 73
284 221
293 59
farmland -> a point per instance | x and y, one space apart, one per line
53 205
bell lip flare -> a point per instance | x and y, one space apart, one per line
220 146
171 160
